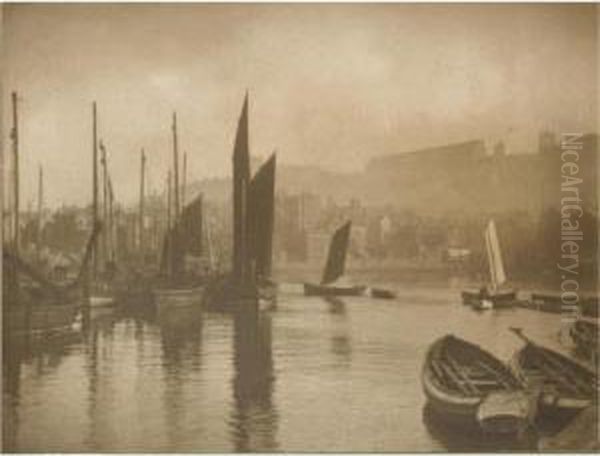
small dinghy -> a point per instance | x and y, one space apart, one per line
470 386
563 386
381 293
332 283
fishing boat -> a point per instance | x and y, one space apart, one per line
563 386
470 386
183 275
584 333
333 283
492 295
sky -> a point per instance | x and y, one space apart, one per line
329 85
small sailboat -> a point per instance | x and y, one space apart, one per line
564 387
492 296
470 386
333 283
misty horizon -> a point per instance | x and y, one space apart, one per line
330 86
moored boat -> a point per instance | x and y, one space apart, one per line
381 293
469 385
563 386
493 295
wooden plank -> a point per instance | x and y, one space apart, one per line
461 377
498 375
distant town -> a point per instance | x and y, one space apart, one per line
425 208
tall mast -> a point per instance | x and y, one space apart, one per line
15 138
95 187
169 257
112 220
175 165
184 179
104 202
39 214
142 186
169 201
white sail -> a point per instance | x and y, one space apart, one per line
497 274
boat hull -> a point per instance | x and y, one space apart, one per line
465 410
554 400
178 297
500 299
39 319
332 290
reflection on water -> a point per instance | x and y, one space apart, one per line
315 375
253 418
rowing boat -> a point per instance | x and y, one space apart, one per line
468 385
564 387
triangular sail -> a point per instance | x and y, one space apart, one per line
241 178
497 274
261 214
336 258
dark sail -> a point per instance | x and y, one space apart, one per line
241 178
336 259
261 218
184 238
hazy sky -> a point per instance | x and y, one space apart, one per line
330 85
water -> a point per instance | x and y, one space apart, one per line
314 375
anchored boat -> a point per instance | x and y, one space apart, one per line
492 296
563 386
468 385
183 274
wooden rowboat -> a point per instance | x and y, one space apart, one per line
564 387
470 386
381 293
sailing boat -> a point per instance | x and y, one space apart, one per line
492 296
181 267
331 285
261 219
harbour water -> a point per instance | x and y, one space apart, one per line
313 375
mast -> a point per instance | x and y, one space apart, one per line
95 187
241 178
104 202
184 179
175 165
141 221
169 200
111 221
39 214
15 140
